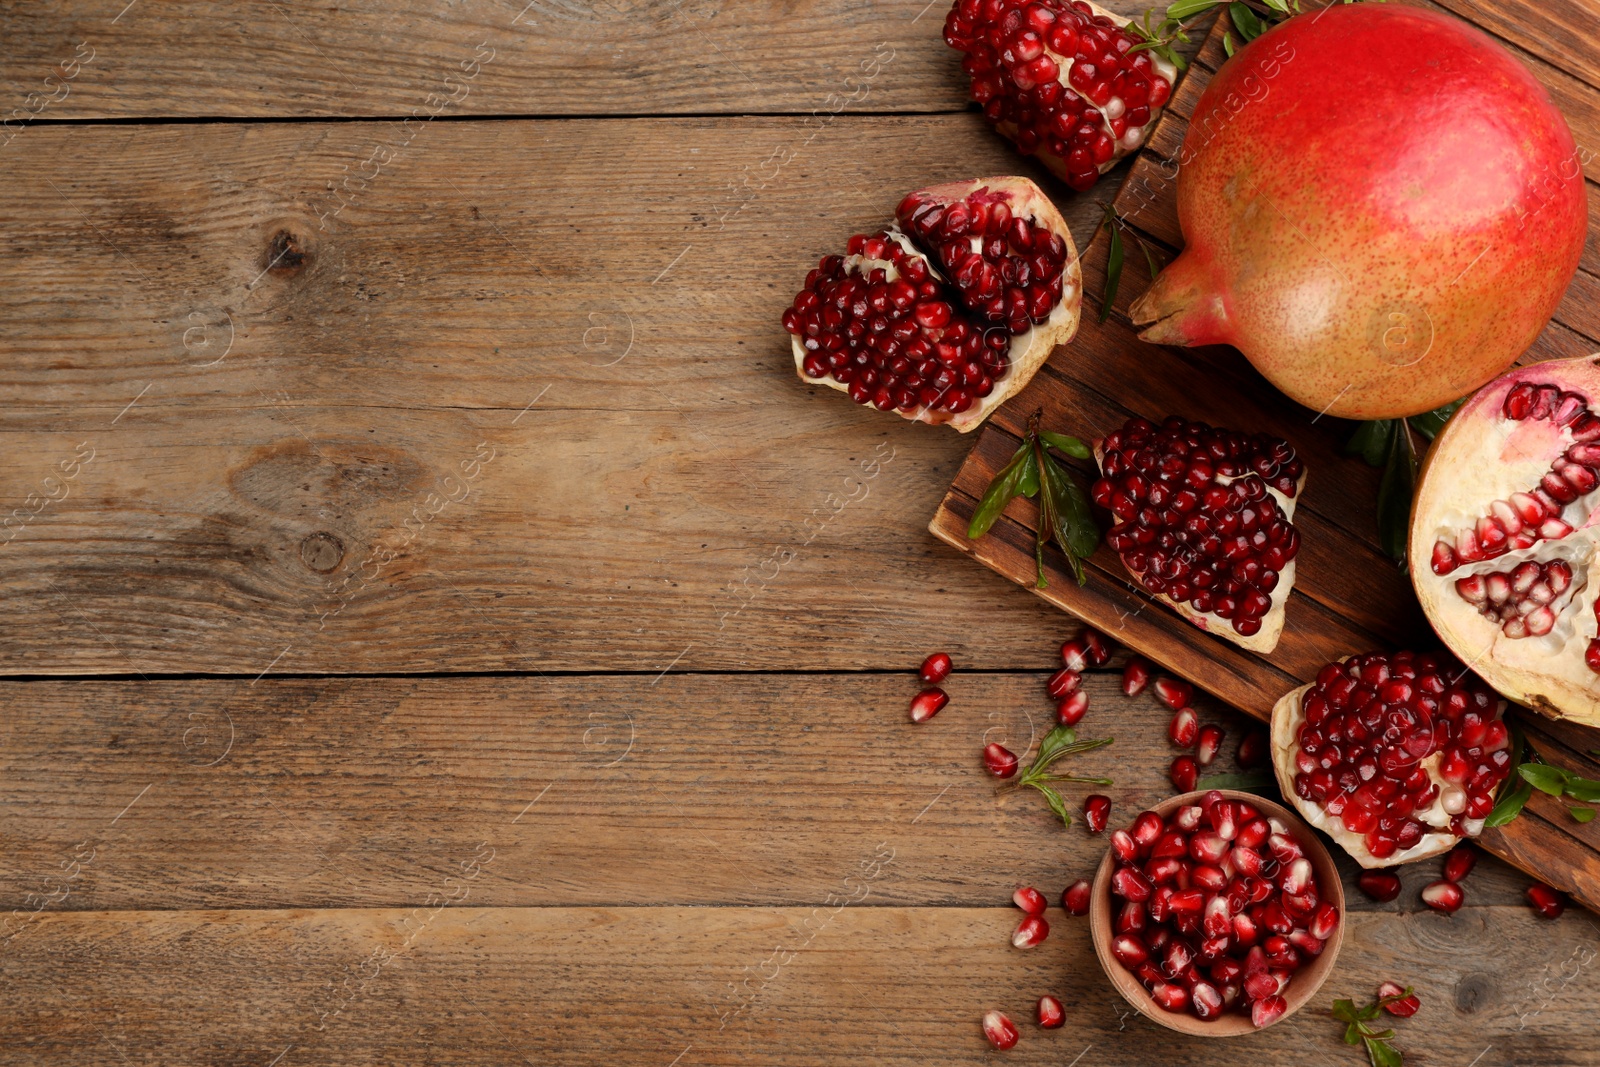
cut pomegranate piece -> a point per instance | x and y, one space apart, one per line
1029 899
1051 1014
1071 710
936 668
1031 931
999 760
1096 811
1405 1007
1546 901
1075 898
1504 517
1394 755
928 703
1135 676
1203 522
946 315
1000 1031
1061 80
1443 896
1381 886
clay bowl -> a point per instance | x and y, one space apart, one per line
1233 1023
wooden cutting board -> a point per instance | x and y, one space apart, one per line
1348 596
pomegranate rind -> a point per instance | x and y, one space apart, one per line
1029 350
1287 718
1265 639
1481 457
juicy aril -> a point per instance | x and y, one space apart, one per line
1380 208
947 313
1503 537
1060 80
1203 522
1394 756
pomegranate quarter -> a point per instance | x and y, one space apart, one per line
1504 539
1380 206
946 314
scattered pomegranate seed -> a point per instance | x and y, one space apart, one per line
1253 750
1183 728
1064 681
1381 886
1031 931
928 703
1210 742
1406 1007
1000 1031
1184 774
1029 899
999 760
1268 1010
1135 676
1173 693
1070 710
1443 896
1051 1014
1096 812
1546 901
1099 648
1458 864
936 668
1075 898
1075 654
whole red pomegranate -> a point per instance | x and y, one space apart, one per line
1381 209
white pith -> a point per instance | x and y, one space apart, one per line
1480 457
1288 715
1265 639
1028 350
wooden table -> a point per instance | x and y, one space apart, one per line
460 639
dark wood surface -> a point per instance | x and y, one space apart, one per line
621 724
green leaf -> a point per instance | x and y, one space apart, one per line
1070 445
998 495
1582 814
1395 492
1257 782
1058 738
1345 1011
1583 789
1149 258
1546 779
1113 272
1510 805
1057 805
1076 531
1371 442
1227 43
1280 6
1028 480
1245 21
1040 538
1185 9
1429 423
1382 1054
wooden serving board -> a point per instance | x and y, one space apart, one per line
1348 596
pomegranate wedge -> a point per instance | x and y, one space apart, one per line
949 312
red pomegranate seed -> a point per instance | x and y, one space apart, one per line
1063 682
1405 1007
1268 1010
1173 693
1210 742
1129 884
1458 864
1546 901
999 1030
1324 922
1070 710
1129 950
928 703
1031 931
1170 997
936 668
1379 885
1099 648
1029 899
1183 728
1253 750
1147 829
1096 812
1124 847
1075 654
1051 1015
1205 1000
1135 676
1075 898
1184 774
999 760
1443 896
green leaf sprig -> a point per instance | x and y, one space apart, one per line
1387 443
1058 744
1562 783
1114 255
1064 514
1359 1030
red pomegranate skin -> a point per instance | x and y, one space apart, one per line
1381 209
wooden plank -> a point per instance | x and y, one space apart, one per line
804 984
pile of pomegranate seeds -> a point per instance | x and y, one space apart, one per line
1219 908
1374 726
1060 80
1203 517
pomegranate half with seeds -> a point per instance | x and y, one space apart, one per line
1504 539
947 313
1396 756
1203 522
1061 80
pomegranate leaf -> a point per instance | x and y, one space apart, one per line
1227 44
1057 805
1545 778
1376 1042
1006 486
1113 272
1582 814
1429 423
1395 490
1062 443
1245 21
1261 783
1028 483
1583 789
